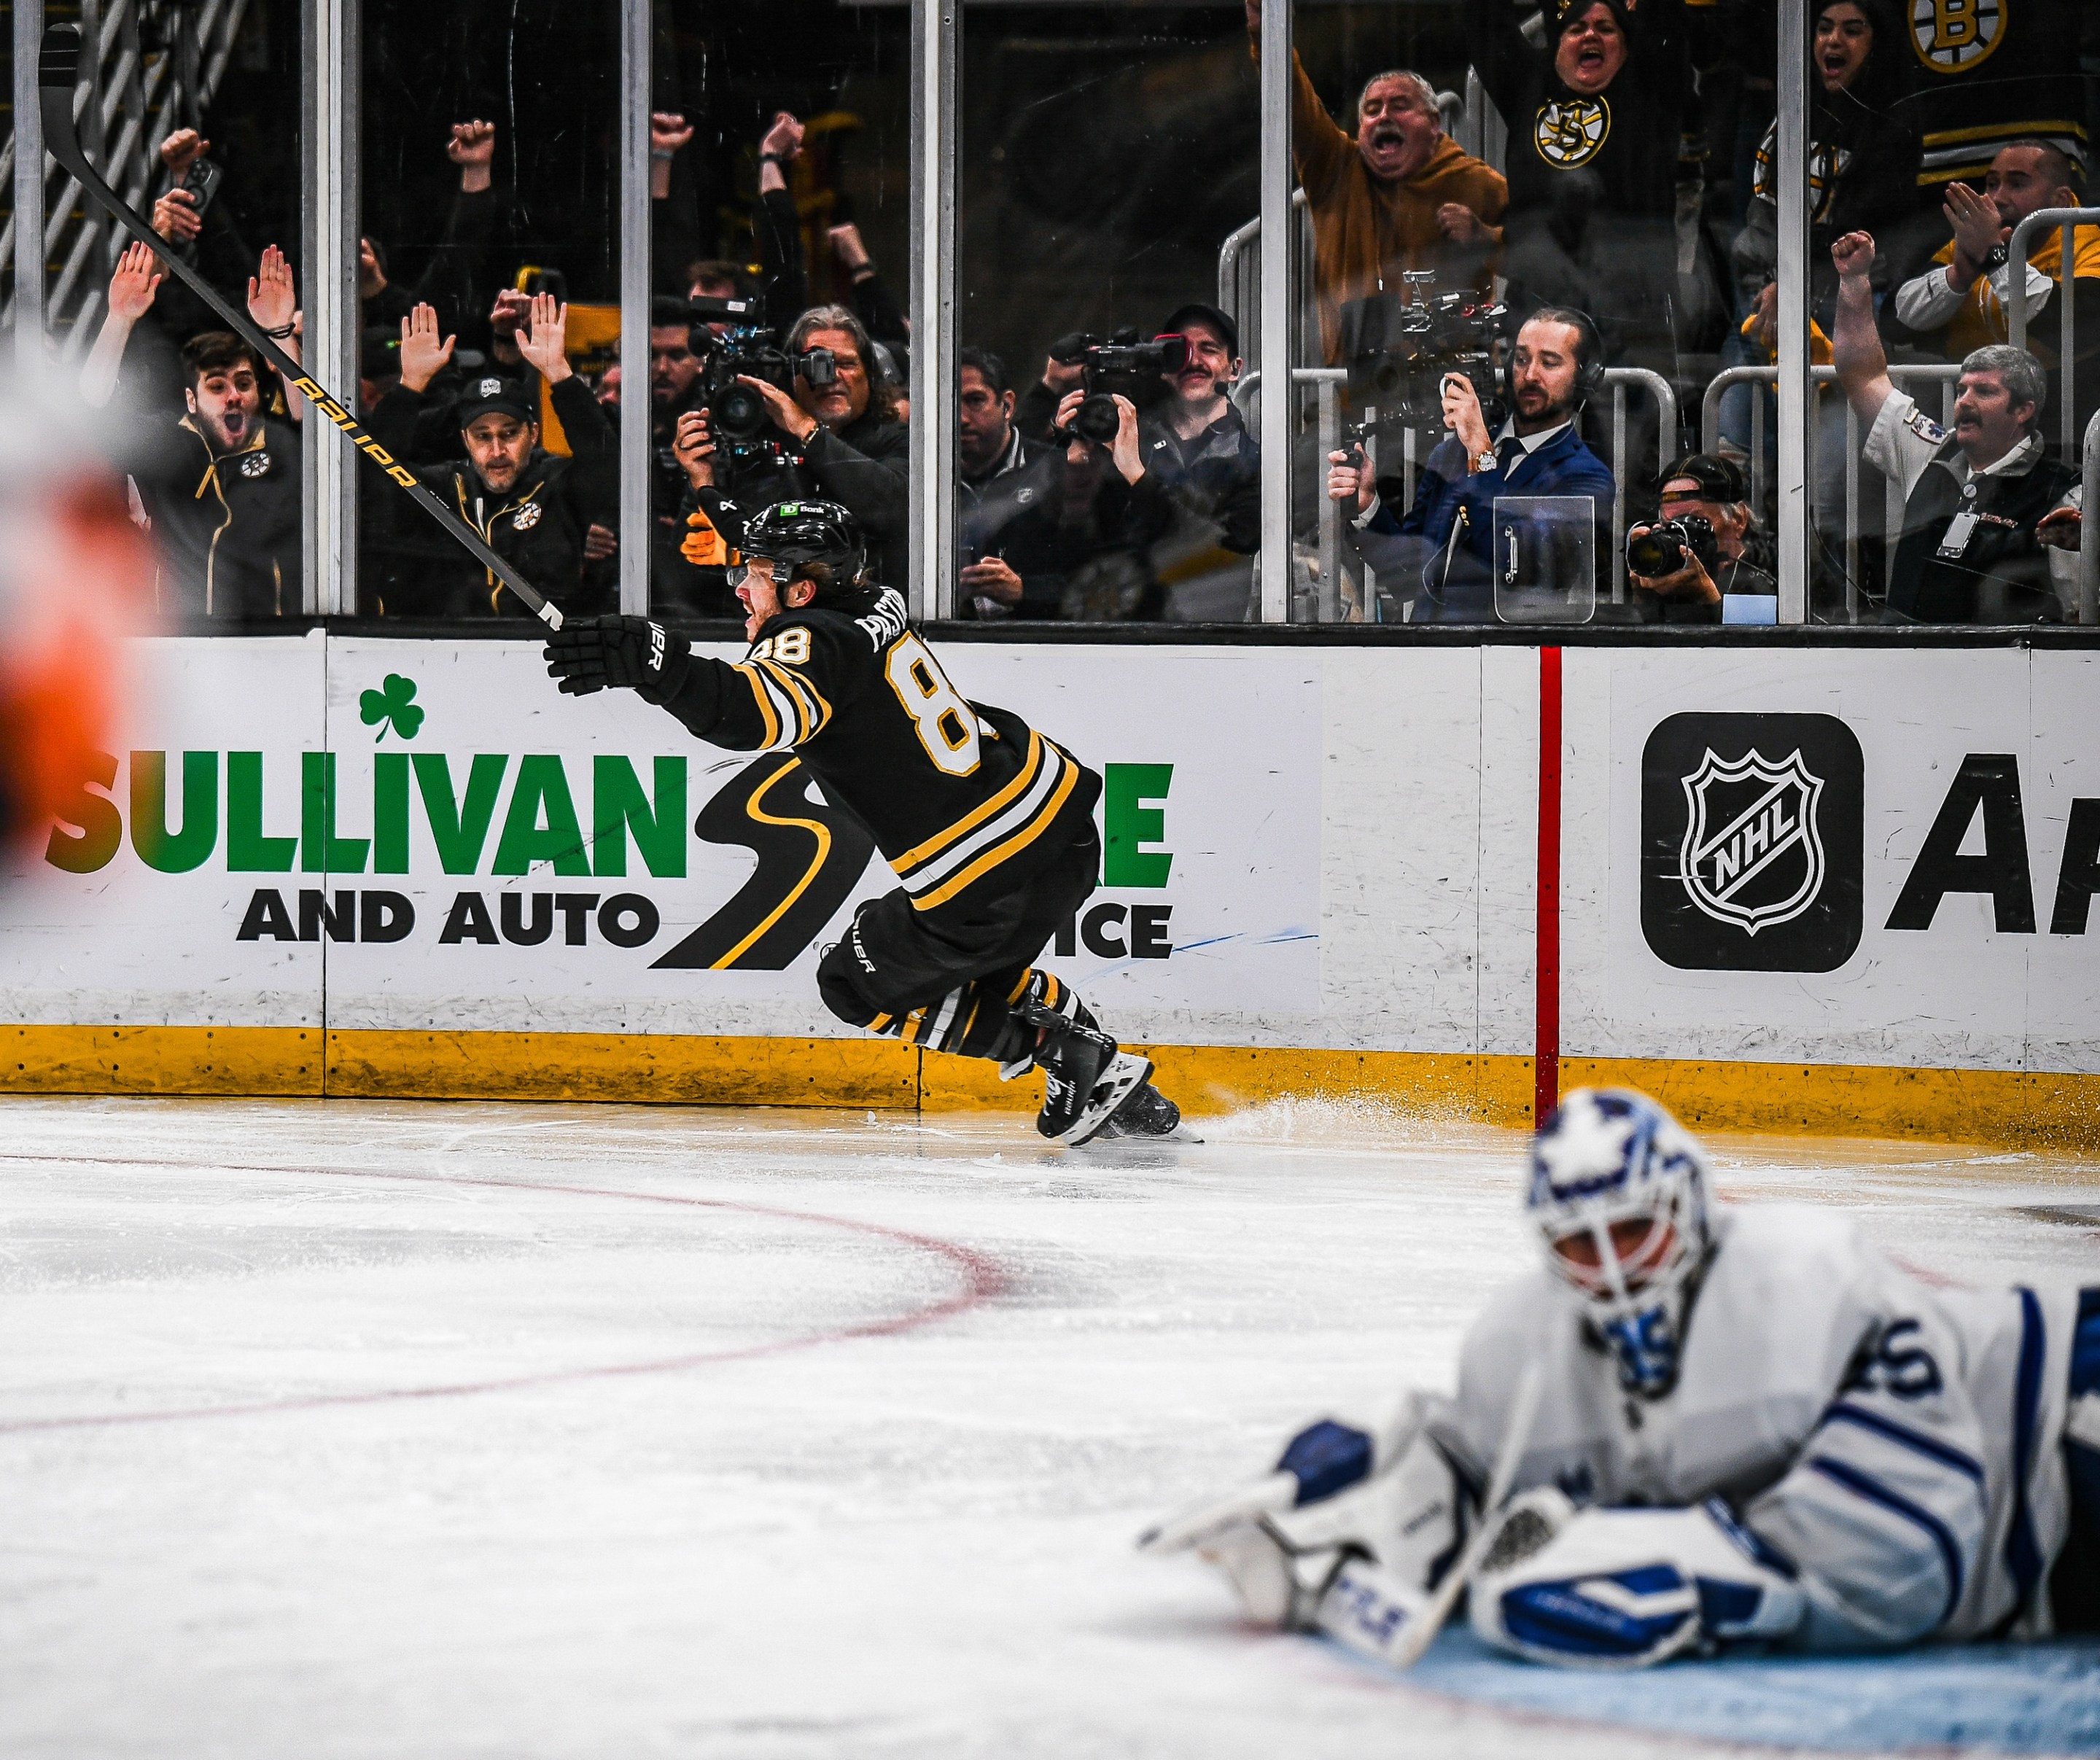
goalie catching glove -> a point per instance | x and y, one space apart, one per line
1626 1588
587 655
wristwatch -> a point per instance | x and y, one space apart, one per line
1485 460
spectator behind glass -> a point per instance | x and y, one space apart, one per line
1595 119
1862 163
220 482
533 510
1959 306
1441 553
1981 504
839 441
998 473
1706 486
1397 194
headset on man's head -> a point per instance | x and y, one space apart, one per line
1590 365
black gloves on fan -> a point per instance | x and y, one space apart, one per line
589 654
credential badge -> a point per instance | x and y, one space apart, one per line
1753 850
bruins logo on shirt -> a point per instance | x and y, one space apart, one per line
1570 131
526 517
255 465
1952 36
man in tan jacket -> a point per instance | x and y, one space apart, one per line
1396 195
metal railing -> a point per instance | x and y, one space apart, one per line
152 69
2088 540
2070 220
1892 500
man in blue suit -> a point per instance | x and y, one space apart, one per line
1441 553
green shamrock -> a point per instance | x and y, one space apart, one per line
396 705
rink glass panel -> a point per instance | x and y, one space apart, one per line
1106 154
547 78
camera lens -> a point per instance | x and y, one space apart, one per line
1097 419
739 413
1656 552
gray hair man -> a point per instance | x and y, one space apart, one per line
1989 522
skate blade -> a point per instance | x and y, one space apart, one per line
1112 1089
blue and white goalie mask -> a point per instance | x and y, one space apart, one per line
1618 1190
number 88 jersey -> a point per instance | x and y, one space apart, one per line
963 800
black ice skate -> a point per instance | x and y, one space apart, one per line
1146 1112
1086 1076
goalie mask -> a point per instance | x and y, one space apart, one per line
1618 1190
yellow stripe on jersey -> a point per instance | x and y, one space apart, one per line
767 712
991 859
811 709
979 813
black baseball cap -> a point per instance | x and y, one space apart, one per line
1210 315
1719 479
513 397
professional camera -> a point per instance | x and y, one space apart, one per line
1119 366
1662 548
743 348
1400 351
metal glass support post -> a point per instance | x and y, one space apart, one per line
637 528
29 16
1278 232
1794 390
328 157
935 51
2089 547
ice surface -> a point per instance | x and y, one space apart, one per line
347 1430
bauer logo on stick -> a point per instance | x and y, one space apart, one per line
1751 842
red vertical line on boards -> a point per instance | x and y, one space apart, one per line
1545 1090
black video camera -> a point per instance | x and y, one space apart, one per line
1400 351
1119 366
746 349
1662 548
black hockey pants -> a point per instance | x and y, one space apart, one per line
948 978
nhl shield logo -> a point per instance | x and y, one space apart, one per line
1752 842
1752 852
1952 36
1568 131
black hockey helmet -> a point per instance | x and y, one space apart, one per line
810 536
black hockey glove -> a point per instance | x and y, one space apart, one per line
589 654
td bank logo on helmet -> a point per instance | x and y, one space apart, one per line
1751 842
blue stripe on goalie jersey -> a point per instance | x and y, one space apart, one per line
2022 1551
2085 1345
1845 1412
1872 1491
1560 1617
1326 1457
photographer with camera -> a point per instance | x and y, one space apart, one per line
1184 452
753 442
531 508
1398 194
1441 553
1695 551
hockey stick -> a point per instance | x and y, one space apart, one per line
1380 1619
58 66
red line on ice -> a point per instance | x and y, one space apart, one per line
982 1282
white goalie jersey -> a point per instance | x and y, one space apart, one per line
1896 1447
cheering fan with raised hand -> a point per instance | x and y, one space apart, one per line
58 66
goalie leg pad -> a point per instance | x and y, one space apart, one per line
1276 1583
1624 1589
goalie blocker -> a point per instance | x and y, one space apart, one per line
987 823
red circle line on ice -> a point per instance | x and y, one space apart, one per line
981 1283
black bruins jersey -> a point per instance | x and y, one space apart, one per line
960 798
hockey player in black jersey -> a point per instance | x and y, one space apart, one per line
988 824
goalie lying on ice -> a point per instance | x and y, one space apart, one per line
1754 1428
